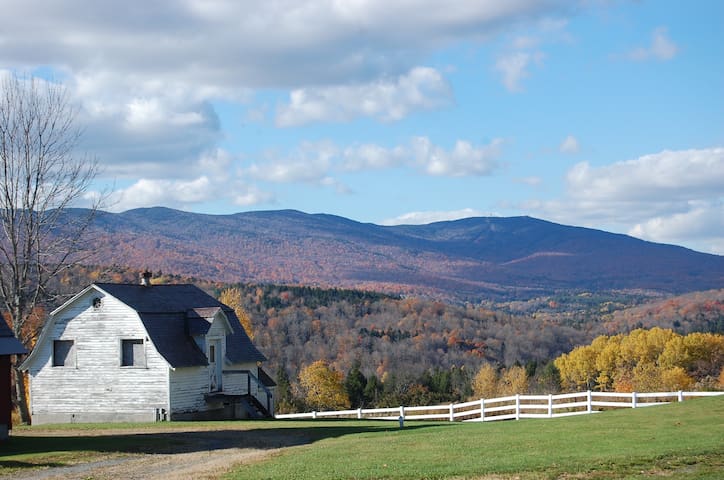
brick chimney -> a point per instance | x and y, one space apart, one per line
146 278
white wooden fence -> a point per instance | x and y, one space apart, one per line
512 407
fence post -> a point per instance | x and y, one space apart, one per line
452 412
359 413
550 405
633 399
314 415
517 406
681 396
482 409
589 401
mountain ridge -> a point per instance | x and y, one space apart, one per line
464 259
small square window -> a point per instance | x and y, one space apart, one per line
133 353
63 353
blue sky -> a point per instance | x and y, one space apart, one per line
606 114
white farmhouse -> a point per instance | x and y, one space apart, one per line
119 352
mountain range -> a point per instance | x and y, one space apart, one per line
462 260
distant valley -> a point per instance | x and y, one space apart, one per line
465 260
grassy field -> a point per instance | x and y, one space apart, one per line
675 441
679 441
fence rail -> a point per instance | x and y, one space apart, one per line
512 407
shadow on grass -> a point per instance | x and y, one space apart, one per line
42 451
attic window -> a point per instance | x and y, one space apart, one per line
97 303
63 353
133 353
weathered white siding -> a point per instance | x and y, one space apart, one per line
188 387
97 388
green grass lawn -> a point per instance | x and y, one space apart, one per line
679 441
672 441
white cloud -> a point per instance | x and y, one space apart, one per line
670 196
227 43
514 66
423 218
569 145
464 159
147 75
309 163
668 176
661 48
703 223
250 195
316 163
420 89
147 193
373 157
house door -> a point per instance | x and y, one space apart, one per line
215 365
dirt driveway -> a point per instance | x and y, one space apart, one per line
178 453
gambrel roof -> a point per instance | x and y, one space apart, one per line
171 314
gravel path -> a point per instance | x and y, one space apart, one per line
198 453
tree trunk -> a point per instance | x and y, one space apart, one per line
19 397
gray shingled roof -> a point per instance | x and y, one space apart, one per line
172 313
9 345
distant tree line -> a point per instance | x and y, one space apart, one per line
388 351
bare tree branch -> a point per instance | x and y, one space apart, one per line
42 176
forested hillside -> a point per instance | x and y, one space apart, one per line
469 260
411 342
425 350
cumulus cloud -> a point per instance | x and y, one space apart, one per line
464 159
387 100
309 163
146 192
670 196
514 67
147 76
246 196
256 43
661 47
423 218
661 177
569 145
318 163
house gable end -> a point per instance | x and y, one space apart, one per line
92 301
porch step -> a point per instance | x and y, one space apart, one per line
253 407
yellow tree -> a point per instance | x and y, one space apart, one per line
578 368
514 380
323 387
485 383
232 298
606 360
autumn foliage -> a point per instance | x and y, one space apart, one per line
231 297
323 387
645 360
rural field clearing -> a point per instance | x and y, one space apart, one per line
683 440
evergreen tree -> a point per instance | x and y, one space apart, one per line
373 391
355 384
285 400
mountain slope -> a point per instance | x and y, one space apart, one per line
464 259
